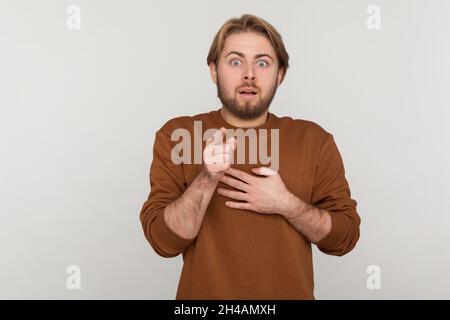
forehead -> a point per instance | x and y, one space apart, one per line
249 43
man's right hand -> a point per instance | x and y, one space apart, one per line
184 215
218 155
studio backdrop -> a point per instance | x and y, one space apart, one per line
84 86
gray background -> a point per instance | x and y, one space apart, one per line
79 110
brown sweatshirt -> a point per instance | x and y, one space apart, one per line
240 254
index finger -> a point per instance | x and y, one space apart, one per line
217 137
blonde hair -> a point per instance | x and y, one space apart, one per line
249 23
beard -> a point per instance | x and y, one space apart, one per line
246 110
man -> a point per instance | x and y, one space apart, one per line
245 228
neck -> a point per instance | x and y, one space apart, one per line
242 123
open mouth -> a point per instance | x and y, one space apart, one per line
248 92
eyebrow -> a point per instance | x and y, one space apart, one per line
259 55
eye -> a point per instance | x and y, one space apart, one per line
262 63
235 62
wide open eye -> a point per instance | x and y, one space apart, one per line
235 62
262 64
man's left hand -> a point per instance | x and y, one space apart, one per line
265 193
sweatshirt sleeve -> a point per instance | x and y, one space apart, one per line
331 192
167 183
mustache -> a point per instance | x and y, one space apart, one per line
248 85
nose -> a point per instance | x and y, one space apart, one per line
249 74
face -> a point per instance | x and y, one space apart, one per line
247 75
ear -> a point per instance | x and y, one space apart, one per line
213 71
279 77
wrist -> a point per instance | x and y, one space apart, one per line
294 208
208 178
